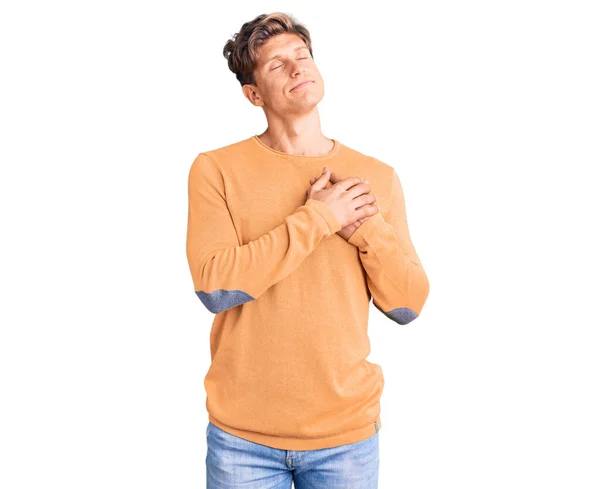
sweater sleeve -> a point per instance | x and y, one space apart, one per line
226 273
395 277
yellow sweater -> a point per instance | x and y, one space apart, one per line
291 297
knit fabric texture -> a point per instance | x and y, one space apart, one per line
290 296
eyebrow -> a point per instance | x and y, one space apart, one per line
279 55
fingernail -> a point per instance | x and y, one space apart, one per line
366 181
324 169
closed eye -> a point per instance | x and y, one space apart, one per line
282 65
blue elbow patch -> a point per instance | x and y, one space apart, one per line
221 300
401 315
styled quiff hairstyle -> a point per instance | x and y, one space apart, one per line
241 51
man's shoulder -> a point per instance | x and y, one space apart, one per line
365 161
224 158
223 153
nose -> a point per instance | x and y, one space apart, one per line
296 69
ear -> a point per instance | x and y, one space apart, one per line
251 93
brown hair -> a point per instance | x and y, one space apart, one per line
241 51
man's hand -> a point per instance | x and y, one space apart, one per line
348 230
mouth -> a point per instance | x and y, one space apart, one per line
303 84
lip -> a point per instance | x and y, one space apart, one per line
300 85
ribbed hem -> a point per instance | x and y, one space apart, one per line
365 229
287 443
327 213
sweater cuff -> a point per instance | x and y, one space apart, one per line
327 214
365 229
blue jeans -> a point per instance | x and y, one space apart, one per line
233 462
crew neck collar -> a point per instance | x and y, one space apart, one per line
334 150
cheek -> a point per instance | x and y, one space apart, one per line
273 90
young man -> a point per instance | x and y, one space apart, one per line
286 245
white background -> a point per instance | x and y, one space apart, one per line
489 111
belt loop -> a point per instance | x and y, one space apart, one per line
376 427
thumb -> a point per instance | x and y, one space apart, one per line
322 180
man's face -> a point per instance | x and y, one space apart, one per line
284 62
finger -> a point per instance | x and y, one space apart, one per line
348 183
369 204
323 179
334 178
368 210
